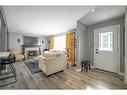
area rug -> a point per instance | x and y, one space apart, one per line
33 65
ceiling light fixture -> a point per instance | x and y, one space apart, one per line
92 9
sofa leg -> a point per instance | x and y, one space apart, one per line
48 75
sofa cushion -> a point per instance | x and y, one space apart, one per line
53 54
50 54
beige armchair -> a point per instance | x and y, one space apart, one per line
17 54
50 64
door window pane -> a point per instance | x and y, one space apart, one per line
106 41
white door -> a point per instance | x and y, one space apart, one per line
105 48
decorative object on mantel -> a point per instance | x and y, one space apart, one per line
42 42
19 41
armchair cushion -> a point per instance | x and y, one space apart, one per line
17 53
14 51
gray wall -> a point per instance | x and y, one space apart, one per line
46 42
0 35
101 25
3 32
125 77
82 42
13 40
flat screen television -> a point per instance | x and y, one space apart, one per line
28 40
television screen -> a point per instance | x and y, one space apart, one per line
28 40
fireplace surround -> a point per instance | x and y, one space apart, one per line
31 50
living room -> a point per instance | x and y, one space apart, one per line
54 47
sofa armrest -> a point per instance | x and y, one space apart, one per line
42 59
42 63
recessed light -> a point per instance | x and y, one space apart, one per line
92 9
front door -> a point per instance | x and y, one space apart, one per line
105 48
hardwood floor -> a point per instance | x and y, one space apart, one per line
69 79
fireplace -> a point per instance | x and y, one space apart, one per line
31 50
32 53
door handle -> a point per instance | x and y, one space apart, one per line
96 50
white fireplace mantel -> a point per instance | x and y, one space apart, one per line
26 48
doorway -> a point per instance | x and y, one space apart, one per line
107 48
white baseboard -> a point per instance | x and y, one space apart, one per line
92 67
78 69
121 73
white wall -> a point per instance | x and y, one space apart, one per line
13 40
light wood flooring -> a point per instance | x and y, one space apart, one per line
69 79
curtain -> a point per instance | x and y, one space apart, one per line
60 43
51 42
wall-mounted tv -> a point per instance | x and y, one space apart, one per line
28 40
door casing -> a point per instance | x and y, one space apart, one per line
117 57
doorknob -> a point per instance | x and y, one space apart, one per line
96 50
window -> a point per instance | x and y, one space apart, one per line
106 41
60 43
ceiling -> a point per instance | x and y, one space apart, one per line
102 14
51 20
43 20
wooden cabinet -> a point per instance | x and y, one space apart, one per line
70 47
